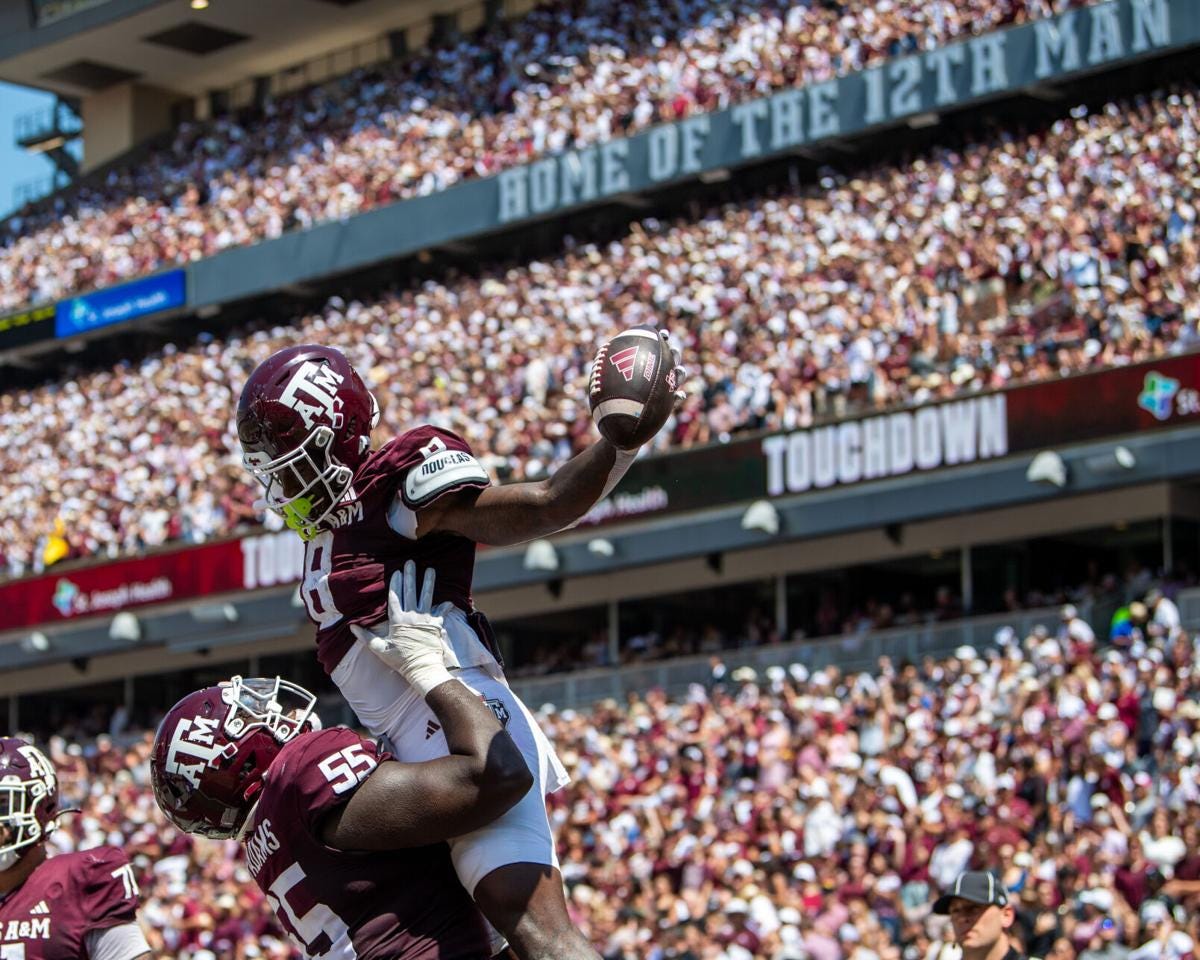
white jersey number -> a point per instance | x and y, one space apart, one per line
125 874
314 591
347 768
12 951
319 921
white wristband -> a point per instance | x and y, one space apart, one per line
426 678
621 464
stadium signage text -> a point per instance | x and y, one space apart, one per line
909 89
163 291
925 83
887 446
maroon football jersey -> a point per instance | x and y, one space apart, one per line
50 915
346 570
338 905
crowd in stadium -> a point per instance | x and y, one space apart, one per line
1015 258
570 73
799 815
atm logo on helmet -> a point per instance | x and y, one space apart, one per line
312 393
194 738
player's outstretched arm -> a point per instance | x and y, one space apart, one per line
414 804
517 512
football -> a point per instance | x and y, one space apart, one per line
632 389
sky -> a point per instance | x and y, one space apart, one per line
17 166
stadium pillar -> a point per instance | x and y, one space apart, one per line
128 696
614 634
445 29
967 582
397 43
14 714
262 91
781 610
1168 546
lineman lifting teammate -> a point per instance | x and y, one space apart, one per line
345 842
74 906
304 422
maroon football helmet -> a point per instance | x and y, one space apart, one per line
28 798
304 421
215 745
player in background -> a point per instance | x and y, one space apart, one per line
74 906
304 421
346 843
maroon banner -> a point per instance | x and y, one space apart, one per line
1164 393
257 561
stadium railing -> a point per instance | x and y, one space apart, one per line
851 652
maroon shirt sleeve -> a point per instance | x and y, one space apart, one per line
108 891
319 772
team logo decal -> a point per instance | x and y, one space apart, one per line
499 709
193 740
624 362
312 393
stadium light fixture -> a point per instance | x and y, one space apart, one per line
36 642
215 613
761 515
541 555
126 627
1047 467
1118 460
601 547
199 4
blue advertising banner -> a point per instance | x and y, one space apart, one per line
164 291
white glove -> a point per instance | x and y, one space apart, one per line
416 645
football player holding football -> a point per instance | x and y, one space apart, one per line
74 906
345 842
304 422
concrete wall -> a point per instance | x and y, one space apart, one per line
119 118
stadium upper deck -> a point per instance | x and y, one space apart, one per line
563 76
900 283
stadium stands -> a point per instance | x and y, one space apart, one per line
1025 256
469 109
796 815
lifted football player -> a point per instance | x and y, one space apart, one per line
74 906
304 421
345 842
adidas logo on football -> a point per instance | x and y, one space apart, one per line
40 908
431 728
624 361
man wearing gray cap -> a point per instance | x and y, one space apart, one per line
980 914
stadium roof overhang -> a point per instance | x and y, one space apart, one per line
988 502
168 45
